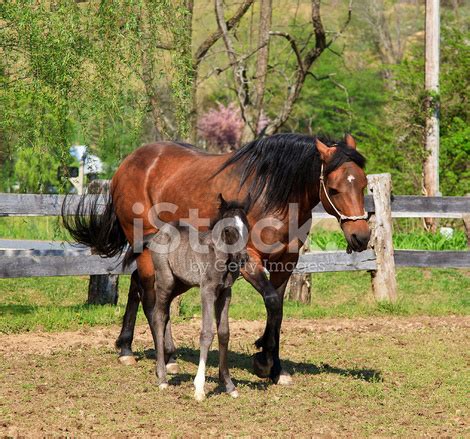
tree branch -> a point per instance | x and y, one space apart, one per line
343 28
304 66
293 45
236 63
219 70
215 36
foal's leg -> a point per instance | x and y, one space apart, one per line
221 314
124 341
207 335
170 349
160 319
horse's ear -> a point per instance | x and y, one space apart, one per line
222 202
325 152
350 141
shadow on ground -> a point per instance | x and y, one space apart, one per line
245 362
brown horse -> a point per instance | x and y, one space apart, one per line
285 174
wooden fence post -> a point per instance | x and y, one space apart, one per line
384 283
299 286
466 223
102 288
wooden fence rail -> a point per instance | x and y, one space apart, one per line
403 206
66 262
33 258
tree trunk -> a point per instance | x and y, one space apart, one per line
253 113
431 162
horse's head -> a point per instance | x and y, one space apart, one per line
232 223
342 185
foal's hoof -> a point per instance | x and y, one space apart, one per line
163 386
284 379
234 393
199 396
172 368
127 360
262 364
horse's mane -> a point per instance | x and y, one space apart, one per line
284 165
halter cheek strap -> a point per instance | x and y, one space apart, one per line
340 215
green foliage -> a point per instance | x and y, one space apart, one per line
74 73
406 116
40 81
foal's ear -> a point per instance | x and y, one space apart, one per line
222 202
325 152
350 141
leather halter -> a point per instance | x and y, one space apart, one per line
340 215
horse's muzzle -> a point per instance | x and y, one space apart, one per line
358 241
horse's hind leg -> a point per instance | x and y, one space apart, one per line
124 341
221 313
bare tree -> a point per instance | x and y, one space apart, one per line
251 91
202 51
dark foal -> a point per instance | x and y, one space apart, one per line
214 267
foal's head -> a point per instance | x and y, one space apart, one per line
232 228
342 185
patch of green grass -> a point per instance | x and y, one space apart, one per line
40 228
54 304
50 228
404 240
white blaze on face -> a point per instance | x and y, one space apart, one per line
351 178
240 226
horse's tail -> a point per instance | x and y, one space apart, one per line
92 224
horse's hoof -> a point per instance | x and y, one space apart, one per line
262 365
127 360
284 379
234 393
172 368
163 386
199 396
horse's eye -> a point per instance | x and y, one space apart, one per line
333 191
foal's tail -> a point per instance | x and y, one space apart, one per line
96 225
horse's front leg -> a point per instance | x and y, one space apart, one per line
223 333
267 362
206 337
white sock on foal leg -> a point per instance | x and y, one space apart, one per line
199 381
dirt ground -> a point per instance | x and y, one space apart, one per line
352 377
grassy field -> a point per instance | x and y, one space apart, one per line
54 304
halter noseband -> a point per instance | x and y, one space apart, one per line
341 216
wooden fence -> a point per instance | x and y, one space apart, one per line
34 258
